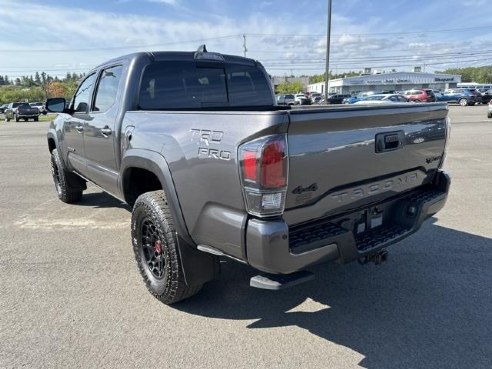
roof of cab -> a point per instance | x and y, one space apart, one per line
178 56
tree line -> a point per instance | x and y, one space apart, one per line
38 87
41 86
472 74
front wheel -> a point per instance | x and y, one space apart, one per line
155 246
64 181
463 102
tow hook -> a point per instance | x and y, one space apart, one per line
378 258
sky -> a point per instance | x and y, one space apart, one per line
287 36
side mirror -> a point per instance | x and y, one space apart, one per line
56 105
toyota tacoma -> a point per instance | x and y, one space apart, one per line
195 143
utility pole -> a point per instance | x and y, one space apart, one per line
244 45
328 32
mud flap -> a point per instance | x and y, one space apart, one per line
198 267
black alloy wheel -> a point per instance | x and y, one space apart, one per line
155 246
152 248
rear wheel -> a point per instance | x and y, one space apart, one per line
489 115
155 247
36 119
463 102
16 117
64 181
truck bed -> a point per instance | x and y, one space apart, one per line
333 163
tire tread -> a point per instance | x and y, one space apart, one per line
176 289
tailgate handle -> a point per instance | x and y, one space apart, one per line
390 141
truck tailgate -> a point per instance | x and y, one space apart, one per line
348 157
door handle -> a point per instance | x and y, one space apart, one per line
80 129
106 131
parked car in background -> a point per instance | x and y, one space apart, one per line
420 95
10 110
39 106
462 96
3 107
337 99
285 100
359 96
301 99
486 96
20 111
382 99
477 94
315 97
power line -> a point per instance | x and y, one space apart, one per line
120 47
280 35
344 66
372 33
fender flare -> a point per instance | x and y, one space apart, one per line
51 135
198 267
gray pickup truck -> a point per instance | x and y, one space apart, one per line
19 110
195 143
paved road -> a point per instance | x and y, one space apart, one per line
71 297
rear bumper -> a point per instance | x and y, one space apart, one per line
274 248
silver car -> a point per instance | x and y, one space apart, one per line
382 99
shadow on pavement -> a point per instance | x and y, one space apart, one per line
430 306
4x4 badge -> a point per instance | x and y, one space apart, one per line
300 190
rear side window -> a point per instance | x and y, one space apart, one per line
189 85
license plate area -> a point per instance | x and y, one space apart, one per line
369 220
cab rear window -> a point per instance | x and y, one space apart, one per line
171 85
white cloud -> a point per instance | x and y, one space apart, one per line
77 39
167 2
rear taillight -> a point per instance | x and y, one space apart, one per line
263 169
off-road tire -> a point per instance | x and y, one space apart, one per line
65 191
153 224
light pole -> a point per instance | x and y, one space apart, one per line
328 31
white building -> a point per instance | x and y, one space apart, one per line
394 81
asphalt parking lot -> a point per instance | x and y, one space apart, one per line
71 296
